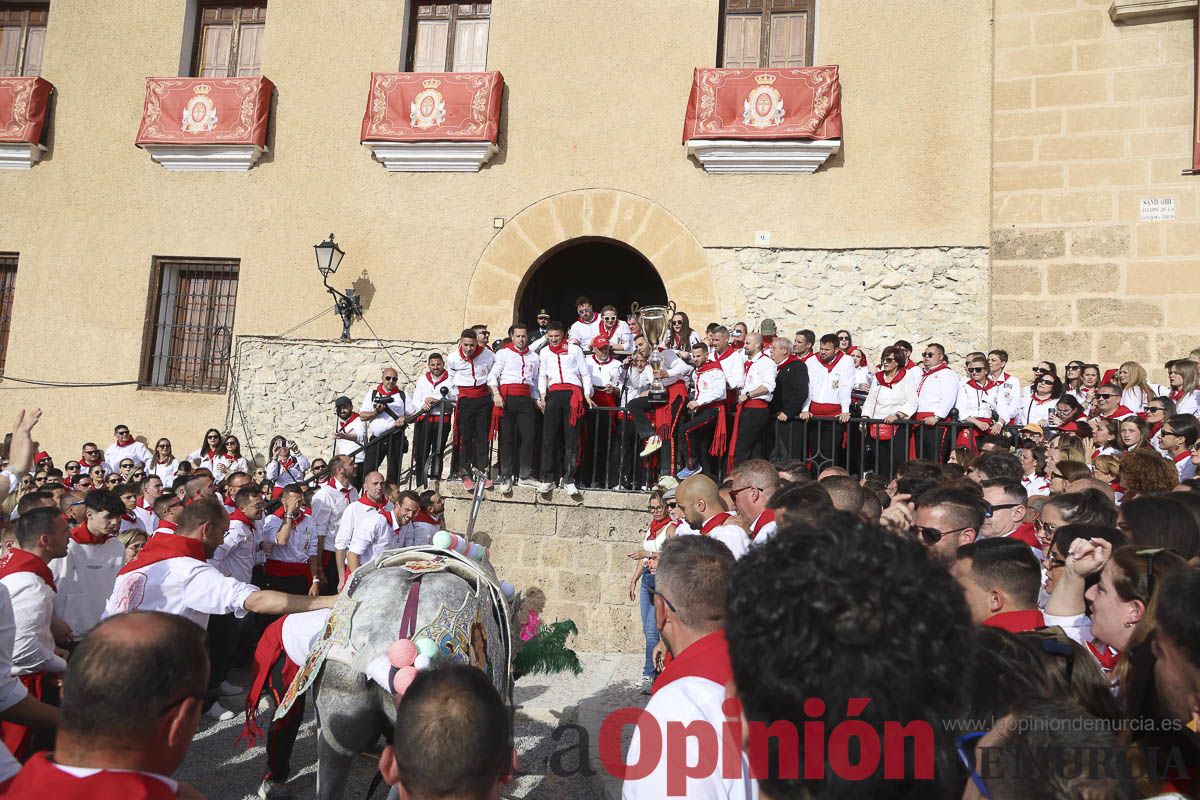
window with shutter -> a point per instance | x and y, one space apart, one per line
22 38
230 40
8 277
766 33
448 36
191 331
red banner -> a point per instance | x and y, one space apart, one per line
23 104
803 103
433 107
206 111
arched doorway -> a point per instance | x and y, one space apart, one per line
605 271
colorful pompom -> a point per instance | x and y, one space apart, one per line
403 678
402 653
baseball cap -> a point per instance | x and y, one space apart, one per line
1032 427
600 341
767 327
343 401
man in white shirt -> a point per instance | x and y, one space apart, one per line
41 536
937 392
614 330
586 328
655 422
234 558
513 381
385 408
700 503
830 387
385 531
151 489
85 576
753 412
565 386
328 504
17 707
434 396
692 582
707 420
754 483
126 447
1010 385
370 503
349 430
292 566
469 367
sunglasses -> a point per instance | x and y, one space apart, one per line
1003 506
163 446
654 594
230 443
889 360
1045 383
91 452
215 436
126 465
843 338
389 377
933 535
1149 555
1107 396
1074 366
1166 432
735 492
1155 410
1055 562
928 355
1046 527
975 369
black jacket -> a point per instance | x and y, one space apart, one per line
791 389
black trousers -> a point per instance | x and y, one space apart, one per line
889 454
642 413
222 639
329 569
516 437
281 734
932 442
393 450
474 417
752 424
825 440
429 443
698 435
559 435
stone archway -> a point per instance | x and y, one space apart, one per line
643 225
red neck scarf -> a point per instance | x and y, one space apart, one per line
82 535
715 522
435 381
210 454
366 501
1108 657
791 359
471 361
426 518
767 516
379 390
927 373
706 658
1121 411
708 366
559 348
161 548
606 332
583 321
832 363
656 526
522 354
988 385
166 460
1176 394
598 361
1016 621
729 350
343 423
343 489
166 525
882 380
24 561
237 516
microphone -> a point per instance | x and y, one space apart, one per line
445 391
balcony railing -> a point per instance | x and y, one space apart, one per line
23 106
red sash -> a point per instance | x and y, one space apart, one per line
473 392
706 658
161 548
24 561
912 444
507 390
577 404
767 516
269 650
665 418
17 737
605 399
287 569
825 409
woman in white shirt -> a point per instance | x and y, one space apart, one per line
164 464
1136 390
1036 406
287 464
661 528
1183 379
893 396
209 452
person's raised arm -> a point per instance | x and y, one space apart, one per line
21 451
266 601
1087 557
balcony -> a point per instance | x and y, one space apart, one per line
23 105
764 121
206 124
433 121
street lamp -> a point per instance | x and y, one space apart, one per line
348 305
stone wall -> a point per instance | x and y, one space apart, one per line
1091 117
287 386
570 560
881 295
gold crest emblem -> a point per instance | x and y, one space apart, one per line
200 113
763 107
428 109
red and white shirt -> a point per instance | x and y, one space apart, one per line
394 400
430 386
236 555
513 367
355 513
564 365
832 383
581 333
718 527
937 391
470 372
301 544
760 373
328 504
733 364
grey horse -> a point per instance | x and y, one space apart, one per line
460 607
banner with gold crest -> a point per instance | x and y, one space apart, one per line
23 104
206 111
433 107
799 103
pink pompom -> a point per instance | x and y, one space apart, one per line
404 677
402 653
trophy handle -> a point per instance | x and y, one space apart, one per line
671 306
633 309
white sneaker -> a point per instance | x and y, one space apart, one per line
545 487
229 690
653 444
529 482
506 487
572 490
218 713
273 790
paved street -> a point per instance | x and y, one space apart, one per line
225 770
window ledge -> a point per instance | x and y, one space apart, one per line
205 157
20 155
741 157
432 156
1143 10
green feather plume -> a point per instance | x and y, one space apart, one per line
547 652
